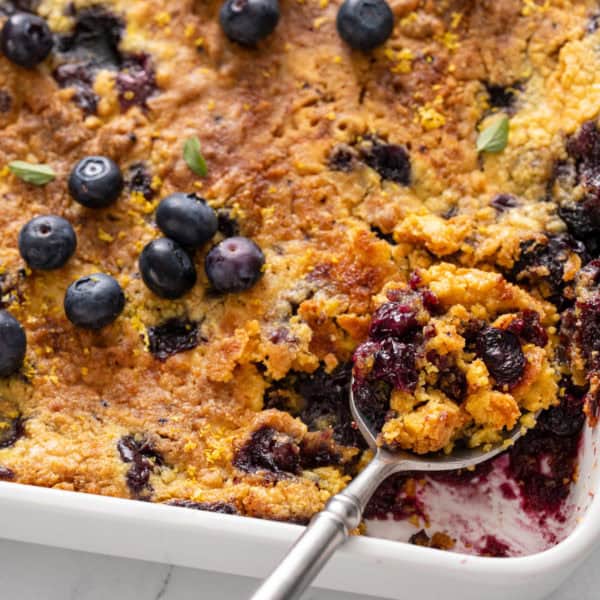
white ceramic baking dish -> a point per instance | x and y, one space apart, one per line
245 546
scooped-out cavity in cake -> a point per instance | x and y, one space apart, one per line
462 355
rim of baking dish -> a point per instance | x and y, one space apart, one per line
77 506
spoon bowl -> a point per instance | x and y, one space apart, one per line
343 512
460 458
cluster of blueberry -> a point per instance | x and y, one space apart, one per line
166 264
362 24
27 40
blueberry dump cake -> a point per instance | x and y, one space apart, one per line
212 210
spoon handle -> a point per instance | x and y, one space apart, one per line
326 531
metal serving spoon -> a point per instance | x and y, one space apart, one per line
343 512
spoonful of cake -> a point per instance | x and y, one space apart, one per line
456 366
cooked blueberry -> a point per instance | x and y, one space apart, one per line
144 458
171 337
393 319
394 498
187 219
501 96
567 419
588 329
502 354
575 186
450 379
94 301
139 179
546 263
528 327
270 450
92 45
584 145
453 383
79 77
581 217
96 182
395 364
391 161
26 39
503 202
9 7
249 21
94 40
324 404
6 474
372 398
11 430
6 101
167 269
13 344
365 24
47 242
317 449
342 158
223 508
386 237
234 265
136 80
227 225
593 23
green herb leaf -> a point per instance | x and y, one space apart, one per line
494 137
32 173
193 157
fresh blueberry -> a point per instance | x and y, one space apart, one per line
234 265
26 39
47 242
365 24
12 344
187 219
94 301
249 21
96 182
167 269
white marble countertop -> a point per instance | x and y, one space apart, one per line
30 572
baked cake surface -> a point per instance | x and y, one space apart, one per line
353 172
